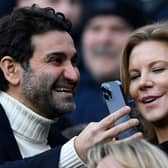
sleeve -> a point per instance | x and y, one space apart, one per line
48 159
69 157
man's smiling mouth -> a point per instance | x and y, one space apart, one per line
64 90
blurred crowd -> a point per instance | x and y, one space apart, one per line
100 29
115 40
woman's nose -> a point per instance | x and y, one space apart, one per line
145 81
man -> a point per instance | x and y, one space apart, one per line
39 76
106 27
72 9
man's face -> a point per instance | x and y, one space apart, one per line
50 82
103 39
71 8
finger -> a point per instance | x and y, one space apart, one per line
116 130
137 135
109 121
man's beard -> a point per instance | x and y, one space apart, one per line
38 91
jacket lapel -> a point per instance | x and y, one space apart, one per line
55 138
9 150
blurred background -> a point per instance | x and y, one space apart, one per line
100 29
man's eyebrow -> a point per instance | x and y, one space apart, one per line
62 54
53 55
56 54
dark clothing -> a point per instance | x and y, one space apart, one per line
9 150
6 7
164 146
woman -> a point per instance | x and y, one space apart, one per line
127 154
144 74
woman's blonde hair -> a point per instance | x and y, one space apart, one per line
132 154
156 32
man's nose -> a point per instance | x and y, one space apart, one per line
105 36
71 73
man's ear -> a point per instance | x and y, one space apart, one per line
11 70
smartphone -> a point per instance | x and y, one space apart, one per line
114 97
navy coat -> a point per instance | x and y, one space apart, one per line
10 156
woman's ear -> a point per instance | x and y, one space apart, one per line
11 70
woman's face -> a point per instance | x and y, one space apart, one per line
148 70
109 162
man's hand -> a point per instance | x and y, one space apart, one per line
104 131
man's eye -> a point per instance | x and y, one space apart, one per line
95 28
59 60
56 60
74 62
119 29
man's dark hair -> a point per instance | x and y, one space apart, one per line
17 29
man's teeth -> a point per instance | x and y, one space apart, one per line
63 90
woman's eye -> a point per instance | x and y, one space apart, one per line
158 70
134 77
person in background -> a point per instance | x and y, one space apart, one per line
144 71
156 10
106 27
39 78
72 9
129 154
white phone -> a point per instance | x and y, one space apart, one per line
115 99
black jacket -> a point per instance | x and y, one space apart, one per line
10 156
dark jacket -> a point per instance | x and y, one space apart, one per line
10 156
164 146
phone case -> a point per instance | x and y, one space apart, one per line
115 99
